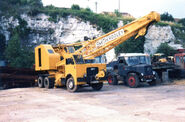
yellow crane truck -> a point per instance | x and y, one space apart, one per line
62 65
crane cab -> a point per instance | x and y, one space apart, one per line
46 58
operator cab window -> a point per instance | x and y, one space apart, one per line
65 49
50 51
71 49
61 58
69 61
122 61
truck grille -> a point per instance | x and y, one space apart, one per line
148 70
92 71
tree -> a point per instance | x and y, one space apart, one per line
118 14
13 50
131 46
182 21
167 17
88 9
17 7
2 46
166 49
16 55
75 7
18 52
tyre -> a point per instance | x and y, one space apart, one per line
48 83
157 81
71 86
112 80
97 86
133 80
40 82
3 86
152 83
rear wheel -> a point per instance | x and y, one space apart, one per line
48 83
112 80
97 86
133 80
40 82
71 86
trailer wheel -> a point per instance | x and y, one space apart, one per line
97 86
157 81
71 86
48 83
40 82
3 86
133 80
112 80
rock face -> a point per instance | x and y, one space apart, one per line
72 29
157 35
66 30
5 24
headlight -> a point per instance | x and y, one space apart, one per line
142 74
153 72
85 75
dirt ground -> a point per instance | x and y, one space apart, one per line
112 103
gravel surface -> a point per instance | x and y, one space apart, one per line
113 103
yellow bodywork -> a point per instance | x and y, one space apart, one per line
59 62
104 43
49 60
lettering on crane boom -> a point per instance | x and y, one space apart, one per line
111 37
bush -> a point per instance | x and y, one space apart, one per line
166 49
118 14
2 46
131 45
182 21
107 23
17 7
75 7
167 17
18 52
88 9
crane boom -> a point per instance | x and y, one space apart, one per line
103 44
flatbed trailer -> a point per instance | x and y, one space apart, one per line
166 71
16 77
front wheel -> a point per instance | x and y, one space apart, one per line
97 86
71 87
112 80
133 80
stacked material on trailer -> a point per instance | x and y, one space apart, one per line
16 77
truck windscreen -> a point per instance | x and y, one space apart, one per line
78 59
135 60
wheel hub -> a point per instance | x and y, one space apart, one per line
132 81
110 79
71 84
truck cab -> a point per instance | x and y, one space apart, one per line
180 62
132 68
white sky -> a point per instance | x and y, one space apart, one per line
137 8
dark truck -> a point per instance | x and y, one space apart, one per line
132 68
